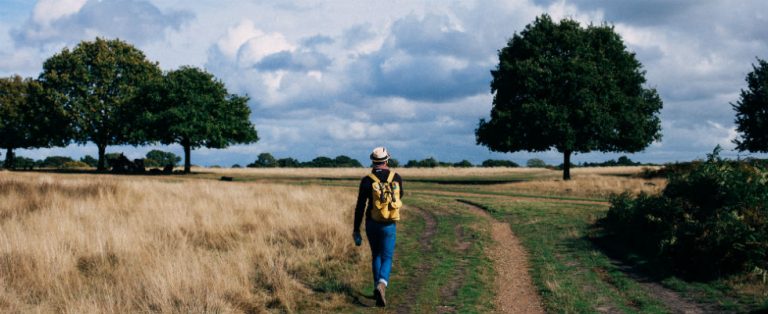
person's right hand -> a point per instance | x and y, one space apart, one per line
358 238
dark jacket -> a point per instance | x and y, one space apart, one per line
365 195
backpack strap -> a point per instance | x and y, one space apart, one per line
391 177
374 178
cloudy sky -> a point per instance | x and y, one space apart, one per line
340 77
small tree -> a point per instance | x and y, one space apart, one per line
192 108
463 164
56 161
264 160
159 158
535 163
97 83
394 163
561 86
752 111
346 161
89 160
319 162
288 163
499 163
27 119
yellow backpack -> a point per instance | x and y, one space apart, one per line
386 199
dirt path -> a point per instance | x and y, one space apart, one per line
513 284
425 241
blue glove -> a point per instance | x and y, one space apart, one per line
358 238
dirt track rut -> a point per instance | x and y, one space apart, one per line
515 292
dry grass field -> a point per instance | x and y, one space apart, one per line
101 244
84 243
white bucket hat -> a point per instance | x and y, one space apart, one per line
379 154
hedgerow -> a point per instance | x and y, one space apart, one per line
710 221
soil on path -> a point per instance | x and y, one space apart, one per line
515 292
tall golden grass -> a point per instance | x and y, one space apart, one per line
587 185
102 244
359 172
596 182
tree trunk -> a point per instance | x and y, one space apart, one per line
102 157
567 165
9 158
187 154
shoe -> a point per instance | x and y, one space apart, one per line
380 294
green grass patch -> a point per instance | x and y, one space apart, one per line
571 274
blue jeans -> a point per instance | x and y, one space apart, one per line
381 237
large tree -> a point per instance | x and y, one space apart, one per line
27 119
752 111
98 82
574 89
192 108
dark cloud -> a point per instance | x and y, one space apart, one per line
423 78
426 59
647 12
433 35
137 21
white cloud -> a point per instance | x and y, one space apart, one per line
248 45
336 77
47 11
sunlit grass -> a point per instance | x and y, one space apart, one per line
80 243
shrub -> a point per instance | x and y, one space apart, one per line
90 160
264 160
55 161
622 161
20 162
710 221
346 161
74 165
535 163
159 158
288 163
499 163
463 164
430 162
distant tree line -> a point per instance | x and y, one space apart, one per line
154 158
107 92
266 160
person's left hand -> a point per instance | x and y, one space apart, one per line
358 238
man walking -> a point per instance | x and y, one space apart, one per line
382 191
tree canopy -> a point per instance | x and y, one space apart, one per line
192 108
752 111
159 158
264 160
27 120
574 89
97 83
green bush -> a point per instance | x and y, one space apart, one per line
710 221
55 161
75 165
535 163
499 163
463 164
430 162
159 158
